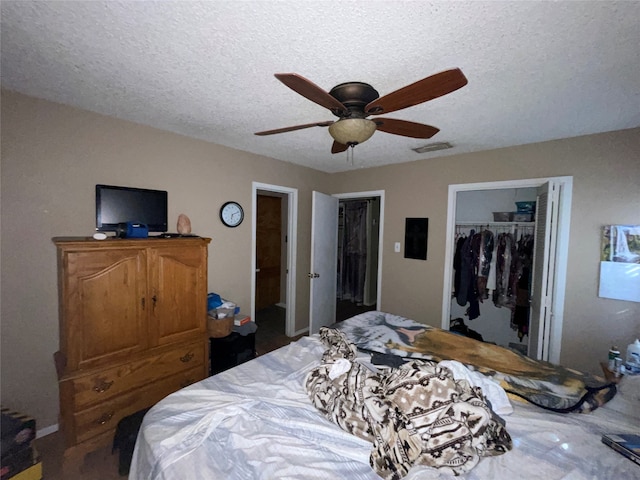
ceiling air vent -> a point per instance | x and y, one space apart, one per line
432 147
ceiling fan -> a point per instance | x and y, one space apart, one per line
353 102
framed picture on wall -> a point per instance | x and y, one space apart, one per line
415 238
620 262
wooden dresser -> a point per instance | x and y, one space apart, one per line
132 330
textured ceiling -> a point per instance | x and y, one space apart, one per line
537 70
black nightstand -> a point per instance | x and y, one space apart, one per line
229 351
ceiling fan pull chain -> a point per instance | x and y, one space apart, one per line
350 153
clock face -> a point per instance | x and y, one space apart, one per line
231 214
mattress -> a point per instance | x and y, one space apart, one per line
256 421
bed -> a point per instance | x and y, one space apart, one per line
264 420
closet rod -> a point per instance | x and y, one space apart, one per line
357 199
495 224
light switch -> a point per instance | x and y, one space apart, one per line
396 247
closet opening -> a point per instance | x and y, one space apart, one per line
505 273
490 298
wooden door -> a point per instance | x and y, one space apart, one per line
103 296
177 292
268 250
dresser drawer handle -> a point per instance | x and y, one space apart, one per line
187 357
102 386
105 418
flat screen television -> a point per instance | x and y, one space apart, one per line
118 205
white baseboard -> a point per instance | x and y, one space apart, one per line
43 432
300 332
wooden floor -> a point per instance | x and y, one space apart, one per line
103 465
98 465
271 327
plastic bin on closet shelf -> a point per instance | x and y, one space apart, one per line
526 207
502 216
512 217
522 217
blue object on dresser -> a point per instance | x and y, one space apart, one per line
137 230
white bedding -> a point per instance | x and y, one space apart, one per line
256 421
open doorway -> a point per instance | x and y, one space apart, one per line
358 245
273 279
548 264
359 253
490 298
271 268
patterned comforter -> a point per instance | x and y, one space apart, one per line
416 414
543 384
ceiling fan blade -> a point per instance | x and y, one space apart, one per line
296 127
313 92
405 128
338 147
419 92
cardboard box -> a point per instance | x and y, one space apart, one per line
241 320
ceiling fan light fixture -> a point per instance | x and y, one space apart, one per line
352 131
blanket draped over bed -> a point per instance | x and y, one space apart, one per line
544 384
413 415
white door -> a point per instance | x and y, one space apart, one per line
544 260
324 258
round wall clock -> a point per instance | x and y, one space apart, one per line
231 214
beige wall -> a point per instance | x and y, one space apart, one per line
606 190
53 155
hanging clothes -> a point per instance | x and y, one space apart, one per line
472 265
521 313
506 272
496 266
491 279
484 253
457 264
464 270
467 291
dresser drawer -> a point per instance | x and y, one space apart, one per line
101 418
112 382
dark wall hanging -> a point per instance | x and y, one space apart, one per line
415 238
